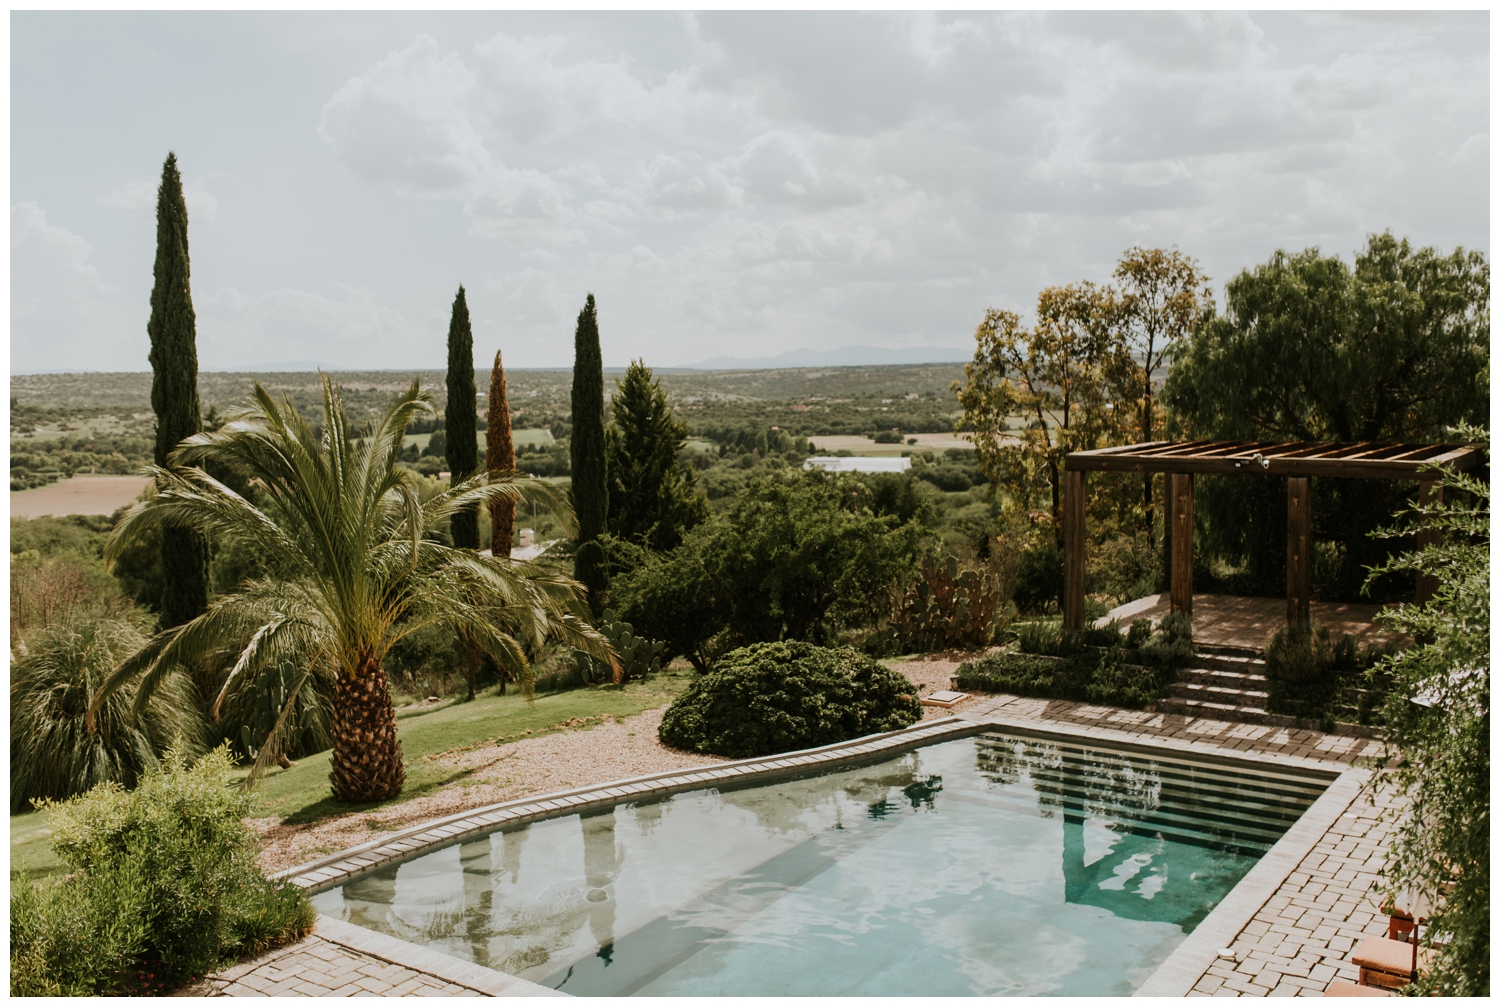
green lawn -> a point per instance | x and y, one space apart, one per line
300 794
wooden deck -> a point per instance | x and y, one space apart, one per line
1231 621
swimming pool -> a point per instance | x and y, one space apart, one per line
999 863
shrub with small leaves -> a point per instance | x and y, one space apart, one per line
776 697
1172 643
164 888
1299 671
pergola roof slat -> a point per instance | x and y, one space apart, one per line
1358 460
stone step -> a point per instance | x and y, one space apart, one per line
1214 710
1215 676
1221 693
1251 664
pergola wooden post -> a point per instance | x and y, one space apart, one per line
1074 546
1180 486
1298 551
1429 493
1296 461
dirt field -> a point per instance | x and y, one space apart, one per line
79 495
865 446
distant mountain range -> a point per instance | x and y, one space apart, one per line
847 356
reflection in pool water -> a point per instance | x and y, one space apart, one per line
994 864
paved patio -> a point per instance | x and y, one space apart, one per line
1294 944
1233 621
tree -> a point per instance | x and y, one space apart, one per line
1162 294
590 478
351 569
795 558
173 329
1437 719
462 443
653 499
1395 349
500 456
1051 376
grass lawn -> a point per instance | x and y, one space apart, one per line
300 794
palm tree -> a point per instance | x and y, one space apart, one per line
350 567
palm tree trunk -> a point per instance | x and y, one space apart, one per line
367 764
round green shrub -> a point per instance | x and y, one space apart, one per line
778 697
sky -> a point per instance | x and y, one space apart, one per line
727 185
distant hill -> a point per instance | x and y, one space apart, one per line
847 356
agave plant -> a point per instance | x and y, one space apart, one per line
346 543
55 684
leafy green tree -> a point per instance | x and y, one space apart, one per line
797 557
1053 378
652 498
1437 719
351 569
500 456
1308 349
462 441
590 476
173 329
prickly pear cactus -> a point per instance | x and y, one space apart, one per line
639 657
952 607
260 717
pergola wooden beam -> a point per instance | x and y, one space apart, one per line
1295 461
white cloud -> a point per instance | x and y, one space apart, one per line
236 329
61 310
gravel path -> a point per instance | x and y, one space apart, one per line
609 751
576 758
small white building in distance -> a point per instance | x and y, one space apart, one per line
857 464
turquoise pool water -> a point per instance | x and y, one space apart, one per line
997 864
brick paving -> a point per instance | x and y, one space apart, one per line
1300 940
314 967
1225 734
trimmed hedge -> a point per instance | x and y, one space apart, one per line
778 697
1090 676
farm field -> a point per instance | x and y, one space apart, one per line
88 494
865 446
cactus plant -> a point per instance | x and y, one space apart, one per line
950 607
639 657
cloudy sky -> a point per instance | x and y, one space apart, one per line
726 185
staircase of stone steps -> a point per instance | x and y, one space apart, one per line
1223 683
1229 683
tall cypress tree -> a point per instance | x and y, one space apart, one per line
590 485
173 329
460 421
500 456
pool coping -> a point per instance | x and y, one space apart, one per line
425 837
1182 969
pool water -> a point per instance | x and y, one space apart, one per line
996 864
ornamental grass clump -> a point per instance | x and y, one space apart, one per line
52 752
777 697
164 888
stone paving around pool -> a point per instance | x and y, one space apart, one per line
1295 944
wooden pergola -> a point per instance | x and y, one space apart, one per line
1295 461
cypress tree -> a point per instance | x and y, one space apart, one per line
590 486
462 440
173 329
500 456
653 499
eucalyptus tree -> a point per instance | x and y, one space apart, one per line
351 566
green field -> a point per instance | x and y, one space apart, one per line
535 437
300 794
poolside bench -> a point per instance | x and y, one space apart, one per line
1387 963
1344 988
